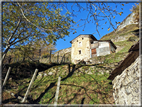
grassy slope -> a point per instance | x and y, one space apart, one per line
74 89
122 32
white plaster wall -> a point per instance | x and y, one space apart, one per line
103 44
103 49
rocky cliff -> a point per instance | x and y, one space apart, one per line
127 21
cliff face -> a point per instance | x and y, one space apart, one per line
127 21
127 29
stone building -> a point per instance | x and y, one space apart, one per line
87 46
126 78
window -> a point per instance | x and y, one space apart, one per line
77 40
79 44
79 51
91 42
82 38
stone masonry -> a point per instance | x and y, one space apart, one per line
127 85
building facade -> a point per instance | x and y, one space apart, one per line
87 46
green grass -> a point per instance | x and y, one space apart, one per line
72 90
126 44
124 31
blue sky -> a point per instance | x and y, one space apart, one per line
90 27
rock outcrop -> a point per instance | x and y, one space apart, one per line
127 85
127 21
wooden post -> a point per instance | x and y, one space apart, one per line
57 91
28 90
58 57
6 77
64 58
50 55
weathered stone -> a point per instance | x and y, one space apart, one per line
128 90
40 75
126 81
50 73
123 75
45 74
126 85
107 71
89 73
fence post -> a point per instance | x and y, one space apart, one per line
50 55
28 90
6 77
9 59
64 58
58 57
57 91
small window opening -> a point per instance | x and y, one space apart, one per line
79 51
77 40
79 44
82 38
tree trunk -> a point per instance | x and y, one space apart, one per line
50 55
58 58
5 52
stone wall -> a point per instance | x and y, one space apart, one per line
127 85
63 51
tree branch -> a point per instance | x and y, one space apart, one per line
104 14
16 37
14 31
20 40
30 21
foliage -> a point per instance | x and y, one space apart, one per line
27 22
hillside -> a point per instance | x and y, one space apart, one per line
80 84
123 34
77 85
